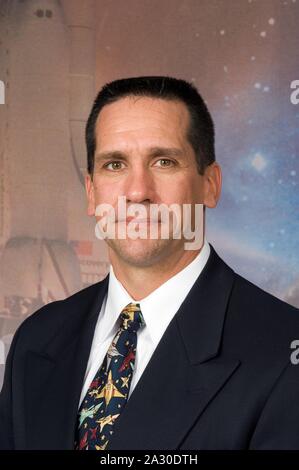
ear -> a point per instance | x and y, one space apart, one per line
212 184
89 187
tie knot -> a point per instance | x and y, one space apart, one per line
131 317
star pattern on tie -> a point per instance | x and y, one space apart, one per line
108 392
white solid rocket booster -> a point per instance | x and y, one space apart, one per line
47 60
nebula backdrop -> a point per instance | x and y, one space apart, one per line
55 55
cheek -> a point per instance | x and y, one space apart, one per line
180 192
196 189
105 193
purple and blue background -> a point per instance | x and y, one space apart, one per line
242 56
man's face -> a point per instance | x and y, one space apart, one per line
142 153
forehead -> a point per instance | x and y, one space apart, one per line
143 117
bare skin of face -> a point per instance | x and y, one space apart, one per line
142 153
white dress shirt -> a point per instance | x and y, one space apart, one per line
158 309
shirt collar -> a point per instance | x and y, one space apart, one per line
159 306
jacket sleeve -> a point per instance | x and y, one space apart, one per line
278 426
6 422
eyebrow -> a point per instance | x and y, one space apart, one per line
152 153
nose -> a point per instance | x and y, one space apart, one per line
139 186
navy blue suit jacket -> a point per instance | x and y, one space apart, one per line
220 378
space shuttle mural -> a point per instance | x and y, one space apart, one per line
48 249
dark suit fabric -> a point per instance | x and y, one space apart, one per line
220 378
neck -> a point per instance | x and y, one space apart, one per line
140 281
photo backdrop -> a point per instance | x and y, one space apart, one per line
55 55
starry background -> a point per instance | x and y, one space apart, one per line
242 56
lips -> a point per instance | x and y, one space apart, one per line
129 219
138 221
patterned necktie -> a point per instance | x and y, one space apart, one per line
108 392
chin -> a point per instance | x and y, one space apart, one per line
140 252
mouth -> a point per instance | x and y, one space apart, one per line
138 221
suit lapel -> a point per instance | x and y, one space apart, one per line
185 372
54 379
169 398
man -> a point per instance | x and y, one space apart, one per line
173 349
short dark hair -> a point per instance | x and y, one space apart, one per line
201 128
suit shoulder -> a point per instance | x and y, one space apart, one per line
259 328
261 295
56 312
263 306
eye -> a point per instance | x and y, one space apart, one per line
165 162
116 165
